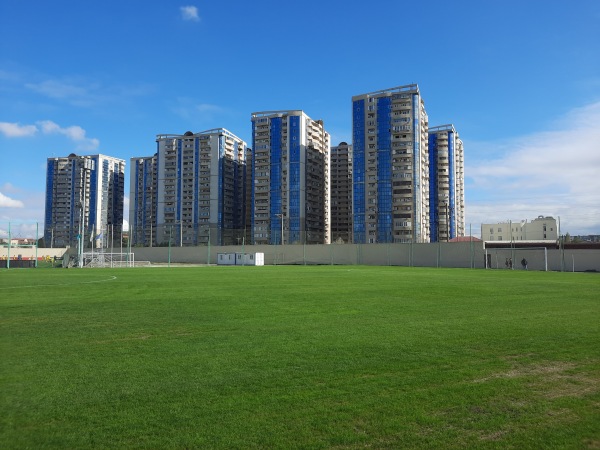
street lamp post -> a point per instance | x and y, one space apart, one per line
180 222
447 222
170 234
281 216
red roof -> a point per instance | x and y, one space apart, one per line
465 239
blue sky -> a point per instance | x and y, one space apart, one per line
520 80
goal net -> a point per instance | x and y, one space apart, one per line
100 259
517 258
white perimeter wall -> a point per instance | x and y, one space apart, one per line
452 255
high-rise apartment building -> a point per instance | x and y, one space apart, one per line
290 179
196 193
446 184
143 200
391 166
84 198
341 193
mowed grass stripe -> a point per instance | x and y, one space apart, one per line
287 357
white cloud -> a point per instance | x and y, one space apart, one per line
11 188
553 173
88 93
26 217
189 13
58 89
195 112
17 130
74 133
208 108
7 202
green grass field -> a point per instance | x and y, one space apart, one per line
299 357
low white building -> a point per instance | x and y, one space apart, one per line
543 228
241 259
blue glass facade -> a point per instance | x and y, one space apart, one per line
179 180
94 192
157 171
49 203
294 188
437 195
74 206
358 175
134 221
253 178
221 190
384 170
275 182
238 190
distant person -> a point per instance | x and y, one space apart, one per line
506 263
510 263
524 263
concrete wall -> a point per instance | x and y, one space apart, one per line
29 253
420 255
453 255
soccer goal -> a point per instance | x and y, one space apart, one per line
101 259
517 258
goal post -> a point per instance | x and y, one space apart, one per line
517 258
101 259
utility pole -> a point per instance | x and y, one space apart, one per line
281 216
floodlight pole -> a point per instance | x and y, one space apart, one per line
80 236
37 225
170 233
281 216
512 255
208 262
9 241
129 263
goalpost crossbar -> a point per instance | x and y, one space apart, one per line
510 257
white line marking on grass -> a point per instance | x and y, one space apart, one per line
59 284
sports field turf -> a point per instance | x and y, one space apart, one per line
299 357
